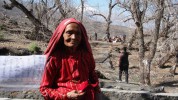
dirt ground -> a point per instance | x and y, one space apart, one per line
159 76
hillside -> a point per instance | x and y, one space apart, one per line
91 25
159 77
12 36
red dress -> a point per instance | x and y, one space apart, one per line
65 71
72 72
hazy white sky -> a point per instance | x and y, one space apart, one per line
98 5
102 7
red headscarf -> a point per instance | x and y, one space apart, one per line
58 33
54 48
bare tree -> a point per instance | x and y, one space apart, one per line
7 6
138 10
168 36
159 15
163 24
108 18
53 11
138 16
43 13
37 23
132 39
82 10
31 8
65 9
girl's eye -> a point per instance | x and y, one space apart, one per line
69 32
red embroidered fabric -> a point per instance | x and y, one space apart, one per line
66 71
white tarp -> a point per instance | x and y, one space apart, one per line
21 70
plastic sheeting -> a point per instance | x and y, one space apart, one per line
21 70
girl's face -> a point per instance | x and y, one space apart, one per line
72 35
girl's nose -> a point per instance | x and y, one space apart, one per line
73 36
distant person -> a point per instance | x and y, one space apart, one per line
96 36
69 72
122 38
110 39
123 63
90 37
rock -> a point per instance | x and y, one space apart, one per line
4 51
119 87
109 87
157 89
100 75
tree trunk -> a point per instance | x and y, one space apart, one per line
82 10
141 54
158 18
132 39
107 31
147 65
109 20
138 16
30 16
173 69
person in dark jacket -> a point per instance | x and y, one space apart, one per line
96 36
123 63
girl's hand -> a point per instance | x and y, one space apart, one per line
75 95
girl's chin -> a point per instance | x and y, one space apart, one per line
72 46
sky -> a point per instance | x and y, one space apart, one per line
101 6
97 4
